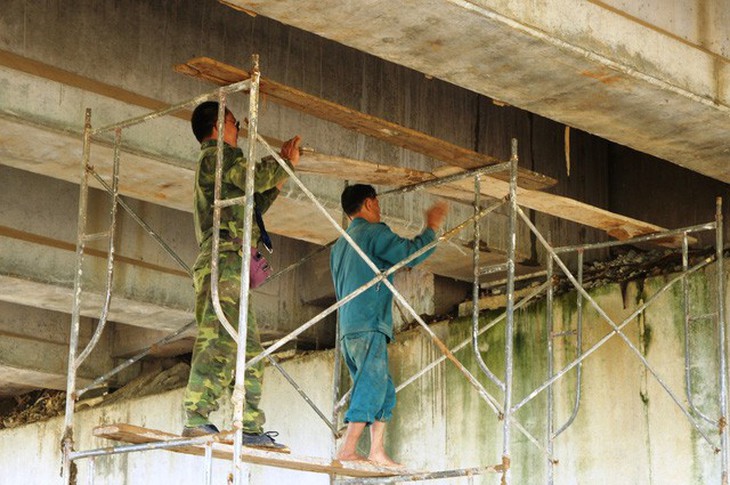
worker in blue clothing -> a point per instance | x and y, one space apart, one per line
366 322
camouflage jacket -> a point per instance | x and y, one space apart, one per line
233 184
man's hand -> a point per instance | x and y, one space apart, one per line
435 215
290 150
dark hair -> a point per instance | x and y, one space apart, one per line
204 119
354 195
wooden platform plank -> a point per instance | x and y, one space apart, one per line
615 225
128 433
454 155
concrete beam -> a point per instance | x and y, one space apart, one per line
34 349
584 65
166 182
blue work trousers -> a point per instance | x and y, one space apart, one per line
373 393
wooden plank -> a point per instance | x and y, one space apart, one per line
137 435
454 155
615 225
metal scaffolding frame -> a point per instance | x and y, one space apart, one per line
505 408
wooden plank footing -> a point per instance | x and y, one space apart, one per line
137 435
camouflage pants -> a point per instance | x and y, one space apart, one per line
214 354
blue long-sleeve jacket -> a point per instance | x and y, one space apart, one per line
372 309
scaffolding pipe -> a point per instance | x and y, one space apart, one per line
215 249
509 323
100 380
687 319
144 225
475 289
67 439
208 472
491 284
155 445
550 370
488 169
579 350
337 367
721 325
415 477
91 471
110 255
231 88
302 394
616 329
635 240
239 391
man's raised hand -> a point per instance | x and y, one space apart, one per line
290 150
436 214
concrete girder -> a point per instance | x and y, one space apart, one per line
166 182
585 65
34 349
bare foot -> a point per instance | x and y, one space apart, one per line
381 459
341 456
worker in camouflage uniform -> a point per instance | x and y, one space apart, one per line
214 354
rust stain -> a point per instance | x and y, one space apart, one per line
602 75
436 44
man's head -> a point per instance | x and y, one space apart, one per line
205 124
361 200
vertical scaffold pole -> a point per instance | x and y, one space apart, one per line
67 440
475 268
337 370
509 324
239 391
475 284
551 371
721 325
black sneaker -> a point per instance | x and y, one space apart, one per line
202 430
264 441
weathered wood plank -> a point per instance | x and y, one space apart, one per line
137 435
615 225
223 74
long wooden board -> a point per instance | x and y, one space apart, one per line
454 155
615 225
128 433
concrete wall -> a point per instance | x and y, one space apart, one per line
627 429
